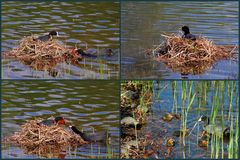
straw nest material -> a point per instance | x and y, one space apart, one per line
191 57
34 136
41 55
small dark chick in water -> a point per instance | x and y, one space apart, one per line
187 34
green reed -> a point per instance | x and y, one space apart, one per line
109 151
186 95
230 95
222 102
222 94
237 130
146 89
215 140
174 91
231 143
204 93
218 103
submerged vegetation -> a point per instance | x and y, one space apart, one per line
190 57
200 120
136 97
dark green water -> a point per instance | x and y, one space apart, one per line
78 23
82 103
142 24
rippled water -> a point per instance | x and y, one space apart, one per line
79 23
163 102
142 24
83 104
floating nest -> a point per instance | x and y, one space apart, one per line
41 55
41 139
188 56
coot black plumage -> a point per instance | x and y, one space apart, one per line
187 34
47 37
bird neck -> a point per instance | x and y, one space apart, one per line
80 133
207 122
186 32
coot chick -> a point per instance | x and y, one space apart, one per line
47 37
187 34
109 52
91 137
164 49
51 122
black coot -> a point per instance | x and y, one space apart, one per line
91 137
187 34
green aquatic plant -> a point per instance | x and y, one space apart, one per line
237 131
174 92
186 88
219 94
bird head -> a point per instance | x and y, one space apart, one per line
185 29
80 51
60 120
53 33
204 119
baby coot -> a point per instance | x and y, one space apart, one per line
187 34
91 137
47 37
92 53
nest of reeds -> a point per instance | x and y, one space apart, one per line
191 57
35 138
41 55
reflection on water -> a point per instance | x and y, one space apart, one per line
83 104
143 23
81 24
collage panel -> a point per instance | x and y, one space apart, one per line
63 40
179 119
60 119
179 40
